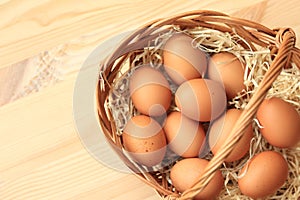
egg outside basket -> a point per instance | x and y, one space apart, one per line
281 45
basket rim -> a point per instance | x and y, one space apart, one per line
282 44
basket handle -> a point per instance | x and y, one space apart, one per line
285 42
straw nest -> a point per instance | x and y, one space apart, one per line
271 69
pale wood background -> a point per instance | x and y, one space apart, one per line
43 45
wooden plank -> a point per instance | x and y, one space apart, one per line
48 67
29 27
42 156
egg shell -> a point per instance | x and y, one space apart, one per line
181 60
263 175
280 122
228 70
185 136
201 99
185 173
150 91
220 130
144 140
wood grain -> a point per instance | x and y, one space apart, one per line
25 76
41 155
29 28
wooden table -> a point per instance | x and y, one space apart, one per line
42 47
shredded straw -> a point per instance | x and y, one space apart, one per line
287 87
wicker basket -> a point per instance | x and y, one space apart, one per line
280 42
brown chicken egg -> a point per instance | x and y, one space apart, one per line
150 91
185 136
219 131
201 99
280 122
227 69
263 175
185 173
144 140
182 61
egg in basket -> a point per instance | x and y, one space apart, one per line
202 105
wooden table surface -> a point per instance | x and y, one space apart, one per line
42 47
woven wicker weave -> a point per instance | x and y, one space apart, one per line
281 43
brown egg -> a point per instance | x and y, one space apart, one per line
185 136
280 121
145 140
219 131
150 91
227 69
182 61
185 173
201 99
263 175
